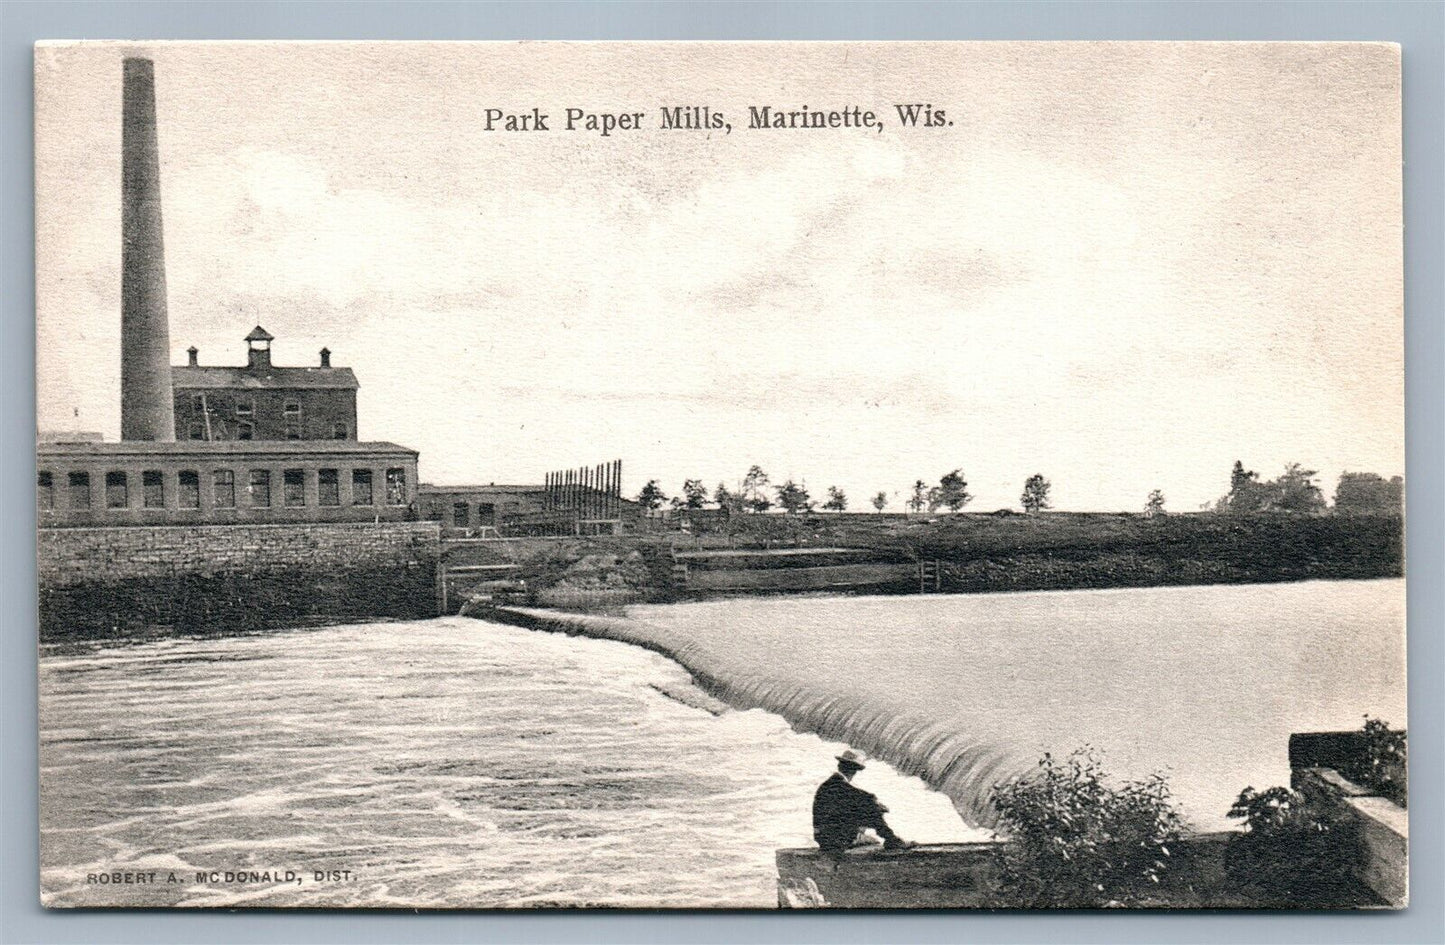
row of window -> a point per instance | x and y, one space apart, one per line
213 427
223 488
246 407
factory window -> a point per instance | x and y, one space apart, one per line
196 431
459 514
339 432
245 431
361 487
293 487
44 491
154 489
115 491
198 403
245 407
260 488
396 486
223 484
292 412
80 490
188 489
328 487
486 513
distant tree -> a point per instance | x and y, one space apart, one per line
754 490
694 493
1368 492
953 491
676 502
935 498
919 498
1035 497
837 500
651 496
727 499
792 497
1155 504
1295 491
1246 492
1239 476
880 502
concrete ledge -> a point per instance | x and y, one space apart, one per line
1382 830
935 876
1384 834
967 875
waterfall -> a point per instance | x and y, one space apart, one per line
962 766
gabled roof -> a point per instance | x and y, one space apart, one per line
260 334
274 378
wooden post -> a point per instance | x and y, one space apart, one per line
442 600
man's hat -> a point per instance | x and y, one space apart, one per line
851 757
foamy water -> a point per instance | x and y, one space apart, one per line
1202 683
443 763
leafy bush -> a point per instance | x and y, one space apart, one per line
1291 852
1383 765
1075 840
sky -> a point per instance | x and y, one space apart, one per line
1123 266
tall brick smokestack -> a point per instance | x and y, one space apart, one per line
146 408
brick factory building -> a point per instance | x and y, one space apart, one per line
258 444
215 483
261 401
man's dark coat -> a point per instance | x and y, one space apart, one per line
840 810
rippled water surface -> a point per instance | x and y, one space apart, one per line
444 763
457 763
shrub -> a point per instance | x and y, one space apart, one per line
1382 767
1075 840
1291 853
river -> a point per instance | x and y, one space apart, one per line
457 763
443 764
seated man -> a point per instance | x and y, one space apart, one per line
841 811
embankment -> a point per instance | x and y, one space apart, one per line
961 767
967 553
123 581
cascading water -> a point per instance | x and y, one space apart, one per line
964 769
1204 684
455 763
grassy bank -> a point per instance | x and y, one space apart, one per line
986 552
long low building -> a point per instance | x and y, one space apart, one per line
521 510
222 482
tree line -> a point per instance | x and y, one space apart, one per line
756 494
1294 491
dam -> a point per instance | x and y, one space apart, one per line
490 746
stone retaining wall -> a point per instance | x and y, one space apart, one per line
116 581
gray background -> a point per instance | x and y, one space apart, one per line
1419 27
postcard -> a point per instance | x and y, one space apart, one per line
720 475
